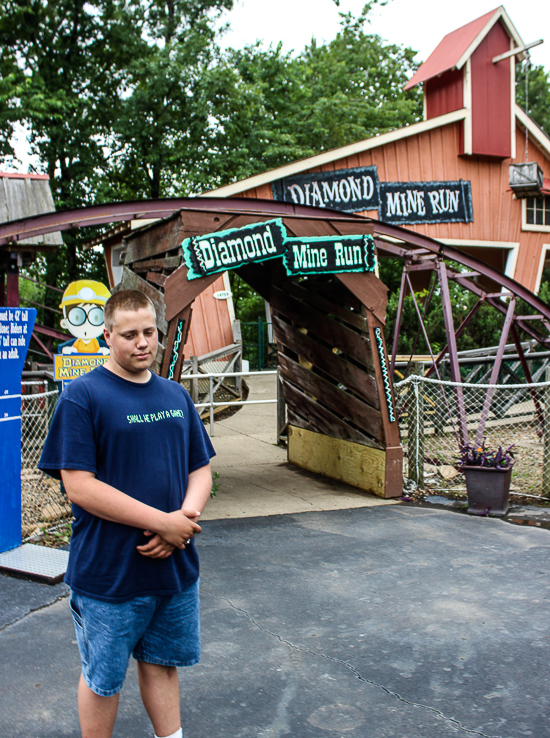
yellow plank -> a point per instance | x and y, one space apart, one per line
345 461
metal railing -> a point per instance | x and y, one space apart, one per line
211 403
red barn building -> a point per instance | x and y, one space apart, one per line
447 176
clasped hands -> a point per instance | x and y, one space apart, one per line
180 526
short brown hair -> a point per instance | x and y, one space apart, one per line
125 300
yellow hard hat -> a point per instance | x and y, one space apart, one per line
85 290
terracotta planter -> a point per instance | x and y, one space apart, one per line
488 489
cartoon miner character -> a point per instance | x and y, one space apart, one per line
82 306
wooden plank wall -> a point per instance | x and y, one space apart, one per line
324 327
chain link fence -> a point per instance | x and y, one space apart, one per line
43 504
437 418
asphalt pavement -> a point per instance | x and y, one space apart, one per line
371 621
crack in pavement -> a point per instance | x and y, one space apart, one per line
34 609
456 723
248 435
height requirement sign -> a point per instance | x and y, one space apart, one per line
223 250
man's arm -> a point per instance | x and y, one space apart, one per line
199 487
109 503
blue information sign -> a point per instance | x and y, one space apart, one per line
16 326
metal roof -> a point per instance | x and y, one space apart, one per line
26 195
457 47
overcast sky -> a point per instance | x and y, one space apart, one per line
420 24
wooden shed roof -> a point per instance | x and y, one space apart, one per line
25 195
457 47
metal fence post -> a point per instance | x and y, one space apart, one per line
281 410
546 451
195 382
415 438
211 401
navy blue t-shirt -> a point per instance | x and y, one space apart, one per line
144 440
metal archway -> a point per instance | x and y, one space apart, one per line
419 253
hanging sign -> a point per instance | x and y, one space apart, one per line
350 190
407 203
217 252
330 254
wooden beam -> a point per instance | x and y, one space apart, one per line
336 335
179 292
336 366
320 295
132 281
391 427
185 316
328 395
157 239
169 262
369 290
321 419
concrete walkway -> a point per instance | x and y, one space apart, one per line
375 621
255 476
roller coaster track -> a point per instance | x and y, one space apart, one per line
418 253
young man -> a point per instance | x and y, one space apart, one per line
134 457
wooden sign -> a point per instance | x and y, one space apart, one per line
358 189
223 250
216 252
329 254
407 203
350 190
67 367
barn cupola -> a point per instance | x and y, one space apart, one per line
464 72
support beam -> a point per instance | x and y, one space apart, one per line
495 372
398 321
453 353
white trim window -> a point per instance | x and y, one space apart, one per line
536 214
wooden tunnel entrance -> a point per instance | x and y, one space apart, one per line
328 329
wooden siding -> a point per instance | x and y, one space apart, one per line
24 196
444 94
435 155
211 323
491 90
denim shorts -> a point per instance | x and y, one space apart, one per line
155 629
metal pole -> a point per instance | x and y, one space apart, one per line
495 372
398 321
546 451
211 400
453 353
195 382
415 440
281 415
260 346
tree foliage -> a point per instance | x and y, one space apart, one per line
534 97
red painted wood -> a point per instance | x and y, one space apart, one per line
449 50
445 93
491 96
12 284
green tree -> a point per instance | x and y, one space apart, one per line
538 94
287 107
96 84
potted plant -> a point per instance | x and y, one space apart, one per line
488 475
